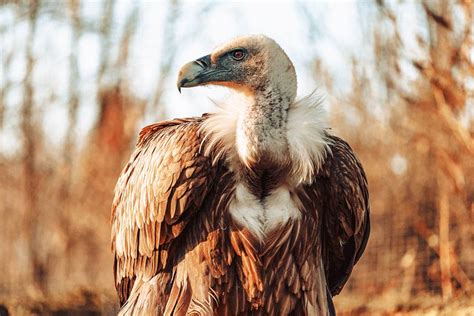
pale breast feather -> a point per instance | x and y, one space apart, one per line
262 216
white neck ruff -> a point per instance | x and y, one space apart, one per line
306 140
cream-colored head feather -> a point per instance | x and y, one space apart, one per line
267 66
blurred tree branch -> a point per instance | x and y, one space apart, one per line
6 61
31 133
74 11
169 48
106 24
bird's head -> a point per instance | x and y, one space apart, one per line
252 64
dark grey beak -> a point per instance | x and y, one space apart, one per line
199 72
191 74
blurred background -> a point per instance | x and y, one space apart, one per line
79 78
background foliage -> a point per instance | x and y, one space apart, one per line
67 125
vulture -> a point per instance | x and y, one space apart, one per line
256 209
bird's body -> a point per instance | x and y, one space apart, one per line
255 209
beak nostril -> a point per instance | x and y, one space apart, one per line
200 63
204 61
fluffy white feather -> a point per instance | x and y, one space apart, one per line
307 141
248 211
261 217
220 128
305 132
279 208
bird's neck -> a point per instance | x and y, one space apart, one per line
261 127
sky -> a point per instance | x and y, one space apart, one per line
335 35
228 19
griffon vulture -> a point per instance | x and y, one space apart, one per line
254 210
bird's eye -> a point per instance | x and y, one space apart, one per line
238 54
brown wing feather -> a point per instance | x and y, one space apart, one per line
341 185
158 192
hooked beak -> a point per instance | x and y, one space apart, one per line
199 72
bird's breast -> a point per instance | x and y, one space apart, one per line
261 216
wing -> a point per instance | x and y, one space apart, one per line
342 186
160 189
